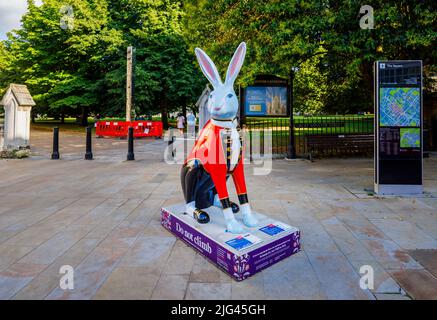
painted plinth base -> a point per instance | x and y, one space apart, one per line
240 256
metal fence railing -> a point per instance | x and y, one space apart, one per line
333 135
276 128
318 135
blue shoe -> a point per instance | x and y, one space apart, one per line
201 216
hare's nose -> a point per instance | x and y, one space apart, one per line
217 108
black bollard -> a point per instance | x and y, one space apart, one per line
171 141
89 152
130 151
55 152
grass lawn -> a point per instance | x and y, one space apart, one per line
70 125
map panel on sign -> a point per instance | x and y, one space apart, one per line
410 137
399 107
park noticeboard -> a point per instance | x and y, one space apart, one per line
398 123
268 96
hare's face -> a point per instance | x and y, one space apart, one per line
222 102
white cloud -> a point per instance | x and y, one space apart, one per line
11 12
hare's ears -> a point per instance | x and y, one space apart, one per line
210 71
236 64
208 67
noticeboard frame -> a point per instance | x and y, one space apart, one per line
266 81
398 182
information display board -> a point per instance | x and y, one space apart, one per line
266 101
267 97
398 123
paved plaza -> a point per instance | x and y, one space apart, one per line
102 217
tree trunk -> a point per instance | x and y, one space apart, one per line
84 120
62 118
164 113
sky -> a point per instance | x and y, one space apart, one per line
10 15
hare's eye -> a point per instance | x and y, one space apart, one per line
229 95
210 96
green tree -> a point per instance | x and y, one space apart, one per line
402 30
282 35
5 63
310 87
166 77
62 64
80 67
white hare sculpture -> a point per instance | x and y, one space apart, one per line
217 153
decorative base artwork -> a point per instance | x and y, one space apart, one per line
239 255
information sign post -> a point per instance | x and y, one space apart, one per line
398 127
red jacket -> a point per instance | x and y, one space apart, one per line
212 149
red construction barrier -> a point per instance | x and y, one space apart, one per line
142 128
119 129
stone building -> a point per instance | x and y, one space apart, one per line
17 103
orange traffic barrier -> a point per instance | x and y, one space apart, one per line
142 128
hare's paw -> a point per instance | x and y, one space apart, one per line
233 226
250 220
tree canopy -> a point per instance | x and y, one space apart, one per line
320 38
75 62
81 67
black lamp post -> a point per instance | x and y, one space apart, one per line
291 150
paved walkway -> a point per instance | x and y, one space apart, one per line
102 218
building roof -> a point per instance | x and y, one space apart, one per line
21 94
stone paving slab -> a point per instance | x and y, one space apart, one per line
38 288
17 277
427 258
208 291
91 273
250 289
102 218
303 281
383 282
181 260
170 287
338 278
11 253
406 234
390 255
419 284
389 296
133 283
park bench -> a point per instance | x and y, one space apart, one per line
338 144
